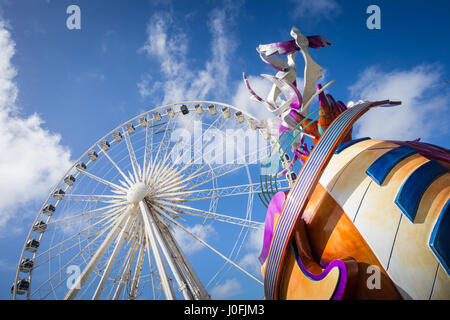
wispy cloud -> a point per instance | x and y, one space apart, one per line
230 288
424 109
89 76
188 243
7 266
180 78
317 9
262 86
241 97
253 249
32 158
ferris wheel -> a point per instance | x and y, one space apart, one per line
127 219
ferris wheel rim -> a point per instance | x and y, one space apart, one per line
122 125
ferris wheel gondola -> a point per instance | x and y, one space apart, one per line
115 225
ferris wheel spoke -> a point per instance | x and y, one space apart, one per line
108 224
241 157
84 213
156 171
100 233
215 177
120 273
220 192
208 246
95 229
165 168
167 153
161 237
116 166
124 232
100 252
54 287
134 163
125 269
138 270
152 164
105 198
234 252
146 149
70 224
105 182
198 173
152 240
210 215
211 170
198 140
132 242
162 166
171 182
94 278
197 290
148 156
195 160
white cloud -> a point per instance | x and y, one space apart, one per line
32 158
315 9
89 76
261 86
253 247
188 243
169 50
144 86
8 89
228 289
424 109
168 45
241 98
7 266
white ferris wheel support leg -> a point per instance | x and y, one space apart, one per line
210 247
151 239
112 259
168 255
126 270
71 294
198 290
137 270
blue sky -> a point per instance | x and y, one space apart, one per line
61 90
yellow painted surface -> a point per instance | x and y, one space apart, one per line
339 161
413 264
409 261
441 289
296 286
378 216
352 181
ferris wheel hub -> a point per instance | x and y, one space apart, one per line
137 192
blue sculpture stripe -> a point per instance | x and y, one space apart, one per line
379 170
299 192
440 238
411 191
284 226
347 144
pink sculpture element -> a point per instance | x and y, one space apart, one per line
289 90
275 207
273 61
294 108
254 95
286 47
285 80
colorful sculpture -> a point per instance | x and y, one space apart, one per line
365 218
